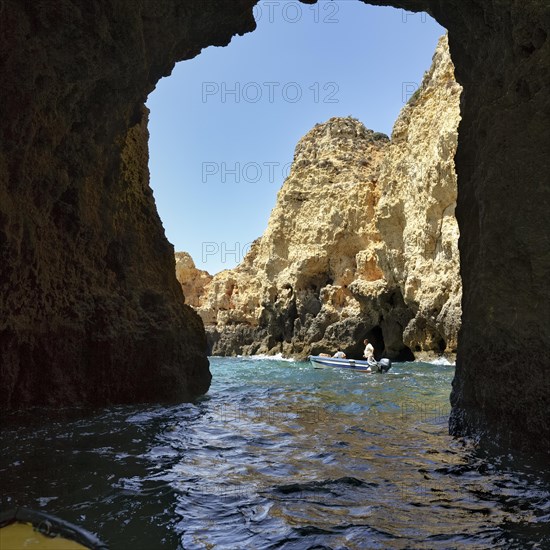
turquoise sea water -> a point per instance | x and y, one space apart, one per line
279 455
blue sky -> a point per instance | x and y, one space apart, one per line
225 124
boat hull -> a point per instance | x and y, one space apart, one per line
335 362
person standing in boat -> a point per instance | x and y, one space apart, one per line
368 354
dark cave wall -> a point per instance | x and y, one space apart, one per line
90 305
502 383
91 309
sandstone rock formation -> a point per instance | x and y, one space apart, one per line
273 298
416 211
75 75
362 242
191 279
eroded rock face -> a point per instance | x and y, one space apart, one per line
314 233
416 211
501 51
362 242
75 75
191 279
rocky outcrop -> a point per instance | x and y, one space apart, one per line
191 279
316 229
75 75
416 211
362 242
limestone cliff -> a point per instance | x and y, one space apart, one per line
273 299
191 279
416 211
362 242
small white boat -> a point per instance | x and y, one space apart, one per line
384 365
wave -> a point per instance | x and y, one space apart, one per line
442 361
277 357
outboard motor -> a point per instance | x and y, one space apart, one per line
384 365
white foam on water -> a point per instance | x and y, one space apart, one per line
442 361
277 357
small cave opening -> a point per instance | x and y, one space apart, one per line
376 337
404 355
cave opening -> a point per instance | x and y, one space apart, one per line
83 109
225 124
376 337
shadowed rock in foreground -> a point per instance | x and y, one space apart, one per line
91 311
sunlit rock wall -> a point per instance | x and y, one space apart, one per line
192 280
416 211
362 242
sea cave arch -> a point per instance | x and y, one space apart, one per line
91 310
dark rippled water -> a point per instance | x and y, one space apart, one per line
279 455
